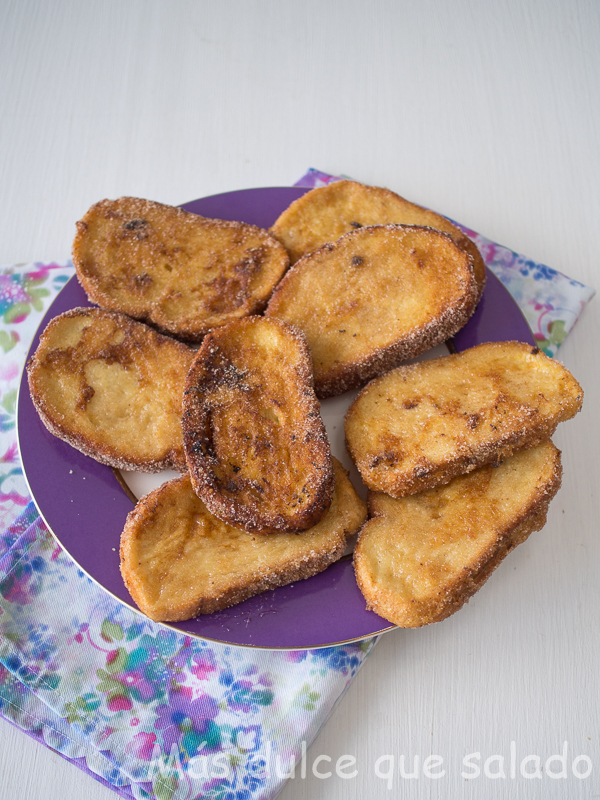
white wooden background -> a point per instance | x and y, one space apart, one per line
486 111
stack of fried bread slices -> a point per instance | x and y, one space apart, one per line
455 455
460 469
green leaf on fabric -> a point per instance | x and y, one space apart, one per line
7 342
107 684
117 661
16 311
36 298
111 632
557 332
72 713
87 702
29 281
164 786
9 400
306 699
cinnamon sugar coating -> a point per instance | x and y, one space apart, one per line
379 296
178 560
182 273
324 214
420 558
423 424
112 388
256 446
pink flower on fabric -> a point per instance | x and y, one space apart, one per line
16 589
11 292
9 372
136 684
11 455
108 731
295 656
203 665
119 703
78 637
142 745
40 274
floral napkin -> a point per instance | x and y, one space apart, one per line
149 712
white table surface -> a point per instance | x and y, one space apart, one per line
488 112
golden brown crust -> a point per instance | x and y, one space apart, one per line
379 296
182 273
419 559
324 214
256 446
423 424
112 388
178 561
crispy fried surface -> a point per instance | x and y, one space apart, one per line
324 214
178 560
112 388
420 558
377 297
423 424
180 272
255 443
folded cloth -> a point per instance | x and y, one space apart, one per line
152 712
145 710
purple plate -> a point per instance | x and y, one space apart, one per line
85 506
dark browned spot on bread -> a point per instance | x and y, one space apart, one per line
137 229
86 394
141 282
135 224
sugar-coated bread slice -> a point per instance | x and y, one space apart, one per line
256 446
182 273
421 425
112 388
378 296
178 560
419 558
324 214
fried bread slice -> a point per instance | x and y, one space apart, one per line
422 424
256 446
379 296
324 214
420 558
182 273
178 560
112 388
